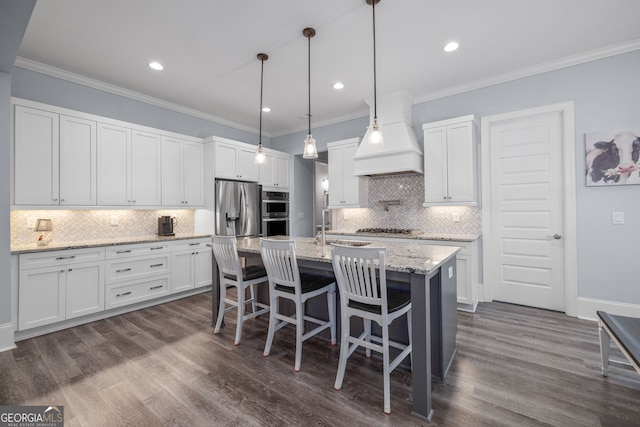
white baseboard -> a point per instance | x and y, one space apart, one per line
6 337
587 308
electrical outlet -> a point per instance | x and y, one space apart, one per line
450 272
455 216
618 218
31 221
300 215
345 215
114 220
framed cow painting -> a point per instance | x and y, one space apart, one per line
612 157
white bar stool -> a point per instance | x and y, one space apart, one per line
365 295
233 274
286 281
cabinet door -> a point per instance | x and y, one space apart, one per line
336 166
460 163
282 165
435 165
85 289
193 155
114 169
247 169
146 166
463 266
181 271
172 172
202 268
41 296
36 151
350 182
225 159
268 171
78 161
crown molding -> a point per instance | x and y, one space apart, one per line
531 71
116 90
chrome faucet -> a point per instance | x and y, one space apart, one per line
324 227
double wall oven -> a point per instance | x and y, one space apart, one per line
275 213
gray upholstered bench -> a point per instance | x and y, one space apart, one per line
625 332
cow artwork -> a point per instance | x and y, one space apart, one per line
612 158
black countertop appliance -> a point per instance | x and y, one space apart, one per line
165 225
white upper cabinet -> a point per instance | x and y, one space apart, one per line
345 189
114 145
450 162
234 160
275 172
78 161
129 167
182 173
54 159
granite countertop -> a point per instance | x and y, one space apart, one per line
423 236
58 246
402 257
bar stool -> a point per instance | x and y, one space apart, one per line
365 294
286 281
233 274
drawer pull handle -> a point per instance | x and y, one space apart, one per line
124 252
123 270
123 294
156 287
156 265
194 244
209 245
159 247
65 257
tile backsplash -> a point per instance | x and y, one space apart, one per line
82 225
409 189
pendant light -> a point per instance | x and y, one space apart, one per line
310 150
375 131
260 157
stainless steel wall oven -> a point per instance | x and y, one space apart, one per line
275 213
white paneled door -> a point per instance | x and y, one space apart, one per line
526 203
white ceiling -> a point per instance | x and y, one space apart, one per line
209 47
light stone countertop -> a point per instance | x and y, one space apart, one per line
424 236
58 246
401 256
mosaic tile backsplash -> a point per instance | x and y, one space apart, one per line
82 225
409 189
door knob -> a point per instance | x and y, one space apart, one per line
555 236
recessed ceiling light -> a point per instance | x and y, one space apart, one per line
338 85
451 46
156 66
266 109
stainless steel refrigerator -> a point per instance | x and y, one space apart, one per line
237 208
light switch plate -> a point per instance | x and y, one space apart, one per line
31 221
450 272
618 218
114 220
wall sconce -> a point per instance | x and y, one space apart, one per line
43 225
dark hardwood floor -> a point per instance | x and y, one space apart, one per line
516 366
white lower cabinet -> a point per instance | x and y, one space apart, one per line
59 285
467 265
192 263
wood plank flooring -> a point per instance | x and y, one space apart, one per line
516 366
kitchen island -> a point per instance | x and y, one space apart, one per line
429 271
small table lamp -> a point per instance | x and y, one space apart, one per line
43 225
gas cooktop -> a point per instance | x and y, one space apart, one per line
389 231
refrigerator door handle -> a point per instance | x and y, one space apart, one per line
243 211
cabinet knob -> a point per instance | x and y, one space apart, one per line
55 200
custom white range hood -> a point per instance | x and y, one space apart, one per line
400 151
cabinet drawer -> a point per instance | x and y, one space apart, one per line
60 258
141 290
188 245
137 268
124 251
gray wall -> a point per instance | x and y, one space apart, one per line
605 93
